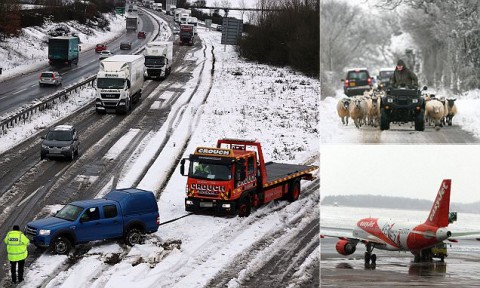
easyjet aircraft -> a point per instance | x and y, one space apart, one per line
394 236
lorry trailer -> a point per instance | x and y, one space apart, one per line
63 50
131 23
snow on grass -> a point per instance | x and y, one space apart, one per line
29 51
275 106
468 116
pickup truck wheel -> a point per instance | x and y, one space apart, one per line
245 206
61 245
133 237
294 192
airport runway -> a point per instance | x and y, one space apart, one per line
396 269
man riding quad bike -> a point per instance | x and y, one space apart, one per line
403 102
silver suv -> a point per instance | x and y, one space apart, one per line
60 142
50 78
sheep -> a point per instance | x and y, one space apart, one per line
434 110
342 110
452 110
445 110
358 111
374 111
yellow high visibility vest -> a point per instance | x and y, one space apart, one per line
17 244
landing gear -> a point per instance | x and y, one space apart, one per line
370 259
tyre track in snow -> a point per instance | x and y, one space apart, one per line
285 252
116 168
57 179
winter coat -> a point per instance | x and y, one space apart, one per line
403 77
17 244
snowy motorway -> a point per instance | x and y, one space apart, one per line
199 102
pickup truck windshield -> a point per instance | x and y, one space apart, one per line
110 83
69 212
202 170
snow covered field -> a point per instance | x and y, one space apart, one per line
278 107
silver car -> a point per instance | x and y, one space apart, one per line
61 141
105 54
50 78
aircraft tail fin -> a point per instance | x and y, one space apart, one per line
441 206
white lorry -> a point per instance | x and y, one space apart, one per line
158 59
169 9
178 14
157 6
119 83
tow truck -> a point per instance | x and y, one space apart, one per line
232 178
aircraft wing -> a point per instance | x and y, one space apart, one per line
344 233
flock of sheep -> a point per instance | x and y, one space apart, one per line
365 109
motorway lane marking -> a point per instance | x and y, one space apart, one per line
61 171
29 196
19 91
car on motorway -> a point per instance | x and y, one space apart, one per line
125 45
176 30
141 34
219 28
60 142
100 47
105 54
50 78
139 13
357 81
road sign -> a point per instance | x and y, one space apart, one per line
232 29
208 23
120 10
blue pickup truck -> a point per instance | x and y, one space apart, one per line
127 213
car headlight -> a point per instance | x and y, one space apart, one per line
189 202
43 232
44 146
389 100
414 100
66 148
225 205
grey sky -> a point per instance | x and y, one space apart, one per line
414 171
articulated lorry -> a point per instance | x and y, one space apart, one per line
119 83
63 50
131 23
233 177
127 213
186 34
169 9
158 59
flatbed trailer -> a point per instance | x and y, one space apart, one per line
233 177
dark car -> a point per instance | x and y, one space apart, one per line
60 142
126 46
384 76
100 47
357 81
141 34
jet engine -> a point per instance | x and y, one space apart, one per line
345 248
442 234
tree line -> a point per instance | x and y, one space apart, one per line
286 35
13 18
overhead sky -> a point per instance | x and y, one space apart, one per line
414 171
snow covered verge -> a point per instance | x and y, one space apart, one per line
332 130
29 51
277 107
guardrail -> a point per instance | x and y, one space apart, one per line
24 114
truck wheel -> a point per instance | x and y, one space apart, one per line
133 236
384 122
294 191
245 206
420 121
61 245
